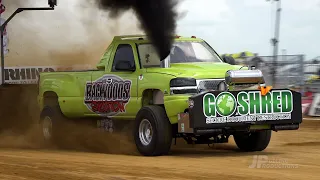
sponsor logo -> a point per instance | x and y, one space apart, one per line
247 106
30 74
27 74
108 95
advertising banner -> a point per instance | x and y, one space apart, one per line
30 74
306 103
315 106
211 109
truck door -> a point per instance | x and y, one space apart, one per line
116 88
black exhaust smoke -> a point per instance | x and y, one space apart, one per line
157 18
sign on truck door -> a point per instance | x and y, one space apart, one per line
113 93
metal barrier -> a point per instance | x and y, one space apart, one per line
289 70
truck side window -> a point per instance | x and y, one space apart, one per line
124 53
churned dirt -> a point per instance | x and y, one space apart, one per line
90 154
64 38
294 154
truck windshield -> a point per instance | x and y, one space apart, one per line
181 52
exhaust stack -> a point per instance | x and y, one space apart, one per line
243 77
165 63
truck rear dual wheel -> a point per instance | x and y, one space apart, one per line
53 128
253 141
152 131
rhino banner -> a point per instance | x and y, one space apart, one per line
279 106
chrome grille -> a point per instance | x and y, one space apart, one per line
208 84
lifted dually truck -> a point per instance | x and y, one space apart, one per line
192 94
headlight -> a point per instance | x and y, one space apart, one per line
182 82
183 86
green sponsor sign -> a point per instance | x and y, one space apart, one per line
246 105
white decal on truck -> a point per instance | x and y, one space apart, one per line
108 95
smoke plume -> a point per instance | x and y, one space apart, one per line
74 34
157 18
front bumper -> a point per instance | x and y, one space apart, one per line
280 109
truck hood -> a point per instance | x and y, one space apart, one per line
196 70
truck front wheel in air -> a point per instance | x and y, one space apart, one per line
152 131
253 141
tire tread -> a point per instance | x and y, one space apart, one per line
163 130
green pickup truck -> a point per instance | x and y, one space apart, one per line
193 94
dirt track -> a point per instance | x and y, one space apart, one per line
298 148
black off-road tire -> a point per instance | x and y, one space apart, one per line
161 140
254 141
59 128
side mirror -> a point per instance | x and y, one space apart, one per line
124 66
229 60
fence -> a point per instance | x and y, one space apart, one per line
289 70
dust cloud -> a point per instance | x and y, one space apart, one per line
19 128
76 33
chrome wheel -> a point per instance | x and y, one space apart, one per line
47 127
145 132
